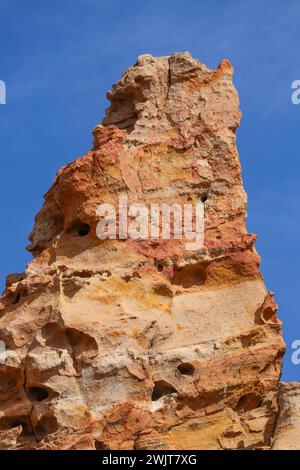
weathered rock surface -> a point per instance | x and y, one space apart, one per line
122 344
287 434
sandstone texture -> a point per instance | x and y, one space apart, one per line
287 434
143 344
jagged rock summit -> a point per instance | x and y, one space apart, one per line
145 344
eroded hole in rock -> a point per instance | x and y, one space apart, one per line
159 267
248 402
37 393
163 290
251 339
185 368
100 445
16 421
204 198
47 425
268 314
162 389
80 228
84 274
54 336
133 276
189 276
81 345
84 230
84 346
71 287
202 401
26 426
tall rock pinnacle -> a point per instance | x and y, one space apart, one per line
145 343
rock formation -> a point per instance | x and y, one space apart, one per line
144 344
287 433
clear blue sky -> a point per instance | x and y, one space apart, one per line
58 59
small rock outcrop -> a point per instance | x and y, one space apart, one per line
145 344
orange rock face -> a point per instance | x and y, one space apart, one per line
145 344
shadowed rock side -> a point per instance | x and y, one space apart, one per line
122 344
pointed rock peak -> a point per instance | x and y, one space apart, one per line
158 93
